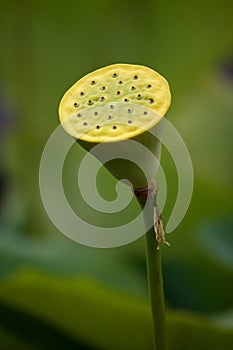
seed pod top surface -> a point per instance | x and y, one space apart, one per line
114 103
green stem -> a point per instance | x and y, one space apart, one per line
155 279
155 284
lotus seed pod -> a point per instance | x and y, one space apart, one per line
113 106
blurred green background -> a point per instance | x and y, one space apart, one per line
56 293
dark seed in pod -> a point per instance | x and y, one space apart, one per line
133 88
93 82
85 123
135 77
97 127
102 98
139 97
126 100
120 82
130 122
151 100
76 104
90 102
103 88
82 93
114 127
112 107
145 113
96 113
149 86
118 92
115 75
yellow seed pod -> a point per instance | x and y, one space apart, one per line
114 104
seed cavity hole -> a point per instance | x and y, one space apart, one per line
135 77
151 100
112 107
133 88
118 92
130 122
115 75
114 127
97 126
110 117
76 104
96 113
93 82
130 110
149 86
82 93
79 115
102 98
126 100
103 88
145 113
90 102
85 124
139 96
